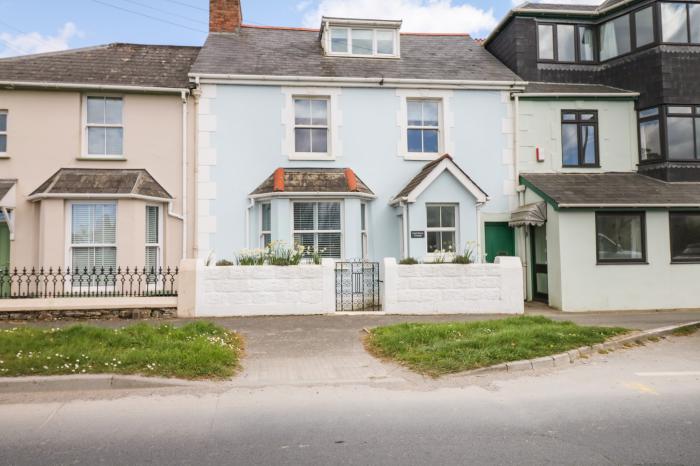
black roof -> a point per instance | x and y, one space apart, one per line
298 52
163 66
611 190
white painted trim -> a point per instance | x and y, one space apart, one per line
92 87
630 206
334 122
349 27
379 81
316 232
161 230
289 194
578 94
84 128
87 196
445 165
184 142
3 154
68 220
446 125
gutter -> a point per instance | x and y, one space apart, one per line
41 196
551 95
626 206
359 82
287 194
92 87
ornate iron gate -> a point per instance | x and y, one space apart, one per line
357 286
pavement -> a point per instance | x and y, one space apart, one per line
630 407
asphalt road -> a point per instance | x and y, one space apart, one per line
637 406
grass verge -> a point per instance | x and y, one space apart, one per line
198 350
443 348
686 331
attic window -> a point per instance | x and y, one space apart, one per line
363 42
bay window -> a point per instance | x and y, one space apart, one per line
566 43
682 123
620 237
153 239
318 227
674 22
93 236
649 135
615 38
104 130
586 44
441 228
3 131
685 236
265 224
644 27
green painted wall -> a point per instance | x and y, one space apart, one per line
500 240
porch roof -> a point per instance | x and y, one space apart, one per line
610 190
7 198
430 172
310 181
95 182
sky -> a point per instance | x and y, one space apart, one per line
37 26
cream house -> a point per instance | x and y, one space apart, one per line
95 157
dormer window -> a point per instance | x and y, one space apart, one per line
359 38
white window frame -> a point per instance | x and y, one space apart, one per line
69 230
85 153
289 123
159 244
422 128
316 231
261 236
374 54
445 123
311 126
364 230
454 229
5 133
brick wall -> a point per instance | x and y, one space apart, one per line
454 289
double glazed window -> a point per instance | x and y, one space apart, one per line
620 237
365 42
670 132
317 226
311 125
423 126
685 236
265 224
566 43
579 138
3 131
649 135
442 228
615 38
93 236
153 240
104 128
680 23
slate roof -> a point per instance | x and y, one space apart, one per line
566 88
123 182
555 7
294 52
5 186
611 189
313 180
114 64
423 174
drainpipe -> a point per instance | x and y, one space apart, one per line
184 174
196 92
516 143
479 252
404 233
251 204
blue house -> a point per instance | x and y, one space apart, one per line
355 139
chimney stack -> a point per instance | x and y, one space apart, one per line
225 15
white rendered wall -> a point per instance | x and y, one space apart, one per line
454 289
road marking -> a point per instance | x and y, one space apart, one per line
642 388
668 374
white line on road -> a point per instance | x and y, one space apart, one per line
668 374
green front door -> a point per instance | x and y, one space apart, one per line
4 246
500 240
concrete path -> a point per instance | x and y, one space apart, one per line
629 407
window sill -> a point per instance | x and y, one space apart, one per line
423 157
623 263
685 262
4 156
107 158
312 157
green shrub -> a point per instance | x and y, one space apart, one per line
408 261
224 263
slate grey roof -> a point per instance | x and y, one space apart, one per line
114 64
313 180
611 189
294 52
5 186
423 174
566 88
555 7
122 182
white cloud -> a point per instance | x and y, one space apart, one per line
35 42
417 15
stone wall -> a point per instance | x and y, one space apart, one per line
93 314
453 289
257 290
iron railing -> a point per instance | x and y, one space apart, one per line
87 282
357 286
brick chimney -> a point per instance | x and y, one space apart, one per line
225 15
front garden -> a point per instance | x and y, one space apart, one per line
444 348
198 350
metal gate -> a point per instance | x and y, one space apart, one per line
357 286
